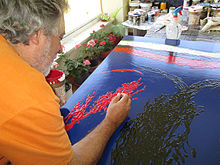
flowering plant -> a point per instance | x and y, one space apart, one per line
77 67
105 38
89 49
100 41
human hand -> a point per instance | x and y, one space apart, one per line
89 149
118 109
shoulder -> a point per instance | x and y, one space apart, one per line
31 125
22 86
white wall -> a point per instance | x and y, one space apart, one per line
110 6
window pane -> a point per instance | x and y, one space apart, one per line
81 11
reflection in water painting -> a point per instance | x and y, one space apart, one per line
159 135
175 92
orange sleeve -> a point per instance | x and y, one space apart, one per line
35 137
3 160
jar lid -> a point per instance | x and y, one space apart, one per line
131 12
139 11
55 76
134 4
195 9
145 4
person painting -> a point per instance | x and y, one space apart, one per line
31 126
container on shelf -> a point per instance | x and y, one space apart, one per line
163 5
194 15
56 80
156 3
136 19
215 10
155 10
185 15
130 16
142 18
146 6
171 9
134 5
195 2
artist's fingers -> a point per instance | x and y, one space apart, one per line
124 98
129 102
116 98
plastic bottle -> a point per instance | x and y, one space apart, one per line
185 3
174 29
185 16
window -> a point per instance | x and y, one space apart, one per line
80 12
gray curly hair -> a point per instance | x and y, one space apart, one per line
19 19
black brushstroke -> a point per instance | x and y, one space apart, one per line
159 135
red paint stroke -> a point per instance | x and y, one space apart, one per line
172 59
79 110
181 61
123 70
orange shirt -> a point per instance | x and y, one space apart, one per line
31 126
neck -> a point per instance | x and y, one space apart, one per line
28 53
24 51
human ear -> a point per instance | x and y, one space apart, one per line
36 37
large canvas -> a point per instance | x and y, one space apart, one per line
175 92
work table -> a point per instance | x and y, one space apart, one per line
167 86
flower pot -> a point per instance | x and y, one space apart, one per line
94 61
82 78
70 79
118 39
75 87
103 55
92 69
69 92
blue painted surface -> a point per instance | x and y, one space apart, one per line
205 132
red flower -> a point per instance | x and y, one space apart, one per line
103 43
85 44
112 37
97 41
91 43
93 31
102 25
77 46
86 62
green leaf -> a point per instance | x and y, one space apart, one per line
115 13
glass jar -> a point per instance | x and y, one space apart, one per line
56 80
163 5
